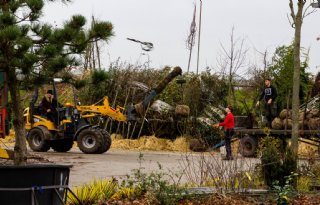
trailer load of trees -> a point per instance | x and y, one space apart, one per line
309 116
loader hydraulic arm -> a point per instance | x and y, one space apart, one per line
104 110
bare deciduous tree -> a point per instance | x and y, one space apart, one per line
296 23
230 60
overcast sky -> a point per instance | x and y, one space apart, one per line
262 23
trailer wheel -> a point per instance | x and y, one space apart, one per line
63 145
248 146
36 140
90 141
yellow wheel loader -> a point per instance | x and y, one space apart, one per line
72 122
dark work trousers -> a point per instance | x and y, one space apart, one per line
228 135
270 110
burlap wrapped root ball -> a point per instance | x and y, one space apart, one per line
277 124
288 123
307 120
315 112
305 115
314 123
182 110
309 115
302 116
285 114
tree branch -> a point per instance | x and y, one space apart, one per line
305 13
290 22
292 13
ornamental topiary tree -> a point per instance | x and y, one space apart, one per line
32 52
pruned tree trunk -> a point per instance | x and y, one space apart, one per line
96 47
20 148
297 24
98 55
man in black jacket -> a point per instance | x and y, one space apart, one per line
48 106
269 94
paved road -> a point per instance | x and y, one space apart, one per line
114 163
119 163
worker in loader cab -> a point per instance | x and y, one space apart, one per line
268 94
48 106
228 123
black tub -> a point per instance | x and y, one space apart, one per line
34 184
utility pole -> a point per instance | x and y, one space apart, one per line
199 36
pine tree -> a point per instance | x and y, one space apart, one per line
32 52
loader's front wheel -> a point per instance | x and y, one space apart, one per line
36 140
90 141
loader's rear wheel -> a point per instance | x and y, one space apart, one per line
90 141
63 145
248 146
36 140
106 141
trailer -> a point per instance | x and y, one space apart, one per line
249 138
250 135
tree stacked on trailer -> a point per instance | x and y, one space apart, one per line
31 52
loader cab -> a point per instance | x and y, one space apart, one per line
61 112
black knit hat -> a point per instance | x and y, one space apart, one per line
50 92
